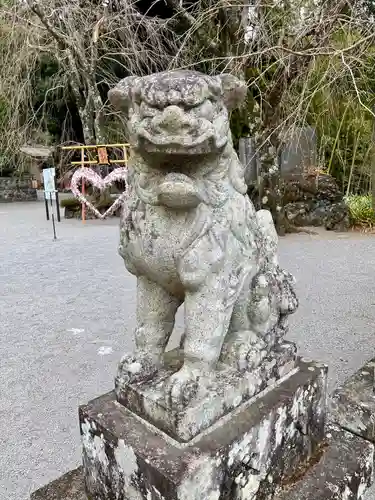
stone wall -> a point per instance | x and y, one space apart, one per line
315 200
16 189
310 198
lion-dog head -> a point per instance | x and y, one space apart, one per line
178 123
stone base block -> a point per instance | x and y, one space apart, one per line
352 405
246 455
227 391
344 471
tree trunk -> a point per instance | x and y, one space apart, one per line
95 107
91 115
87 123
270 190
265 132
89 103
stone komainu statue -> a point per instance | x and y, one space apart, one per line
191 235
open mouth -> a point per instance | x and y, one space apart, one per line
207 142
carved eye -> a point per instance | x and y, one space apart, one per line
147 111
205 110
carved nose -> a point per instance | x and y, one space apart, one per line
172 120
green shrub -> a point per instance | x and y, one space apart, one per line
103 201
361 210
70 203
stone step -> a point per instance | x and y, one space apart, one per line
71 486
352 405
343 472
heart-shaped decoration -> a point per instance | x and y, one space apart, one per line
89 175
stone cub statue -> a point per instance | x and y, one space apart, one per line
191 235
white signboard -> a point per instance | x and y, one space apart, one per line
49 183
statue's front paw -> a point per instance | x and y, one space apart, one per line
135 368
182 387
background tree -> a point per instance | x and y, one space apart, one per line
305 61
279 46
60 57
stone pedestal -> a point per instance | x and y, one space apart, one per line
274 446
247 454
228 390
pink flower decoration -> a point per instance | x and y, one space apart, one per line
89 175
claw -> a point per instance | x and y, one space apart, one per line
136 368
182 387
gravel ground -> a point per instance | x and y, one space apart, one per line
67 311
